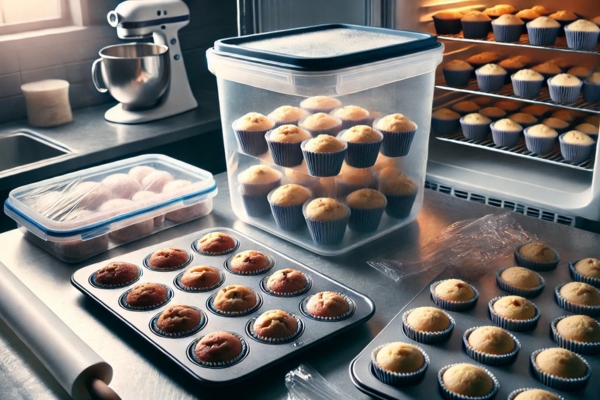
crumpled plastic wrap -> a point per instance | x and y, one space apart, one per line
305 383
468 246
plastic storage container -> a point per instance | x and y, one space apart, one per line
379 70
84 213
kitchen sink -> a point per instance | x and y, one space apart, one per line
22 148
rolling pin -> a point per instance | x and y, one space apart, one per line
78 369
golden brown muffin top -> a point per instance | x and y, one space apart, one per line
512 63
445 113
537 110
319 121
286 279
494 112
288 134
249 260
326 209
216 242
454 290
320 103
253 121
235 298
361 134
178 319
482 101
579 328
290 195
580 72
589 267
491 69
544 22
521 278
359 176
218 347
536 394
448 15
523 118
527 13
563 15
508 19
200 276
542 10
564 115
580 293
468 380
561 363
287 114
483 58
587 128
555 123
275 324
324 144
366 199
259 174
491 340
327 304
352 113
514 307
401 358
537 251
576 137
458 65
428 319
396 123
476 118
547 68
475 16
399 185
466 106
389 172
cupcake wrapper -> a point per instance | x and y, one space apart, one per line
220 364
536 266
444 126
581 278
563 303
527 293
512 324
256 206
285 154
365 220
399 206
210 304
95 283
542 36
539 145
427 337
527 89
362 155
581 40
555 382
448 395
575 153
475 131
154 327
288 218
517 392
327 232
397 144
591 92
476 29
564 94
507 33
493 360
447 26
395 378
261 339
490 83
181 286
452 305
457 78
263 286
246 273
185 264
123 301
346 315
505 138
252 142
576 347
324 164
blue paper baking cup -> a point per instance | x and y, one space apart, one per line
575 153
565 304
444 126
577 276
527 89
447 26
527 293
476 29
399 206
457 78
362 155
324 164
449 395
395 378
427 337
489 83
565 384
326 232
588 348
591 92
542 36
285 154
365 219
516 325
251 142
564 94
474 131
539 145
581 40
507 33
452 305
505 138
397 144
534 265
494 360
517 392
256 206
288 218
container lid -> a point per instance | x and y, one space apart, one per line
325 47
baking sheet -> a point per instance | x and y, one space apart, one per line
260 356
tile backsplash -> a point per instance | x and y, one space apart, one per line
41 58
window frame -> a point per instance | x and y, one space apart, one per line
65 19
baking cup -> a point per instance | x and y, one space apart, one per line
287 339
444 126
256 206
327 232
512 324
539 145
448 395
581 40
284 154
333 131
542 36
577 276
263 286
324 164
447 26
399 206
564 94
476 29
591 92
181 286
288 218
505 138
494 360
575 153
365 220
566 384
251 142
517 392
527 89
576 347
210 304
95 283
452 305
427 337
398 379
362 155
507 33
474 131
397 144
457 78
256 272
534 265
154 327
176 267
236 244
490 83
346 315
527 293
565 304
220 364
123 301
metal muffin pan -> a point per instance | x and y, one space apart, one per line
511 377
259 355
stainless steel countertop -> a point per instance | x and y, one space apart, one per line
141 373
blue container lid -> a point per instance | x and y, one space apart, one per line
325 47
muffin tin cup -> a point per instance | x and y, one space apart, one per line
346 315
210 305
512 324
306 288
591 92
574 346
457 78
527 293
287 339
565 384
95 283
577 276
449 395
536 266
365 220
324 164
564 94
527 89
476 29
179 285
517 392
236 244
284 154
592 311
220 364
474 131
444 126
187 262
396 378
507 33
581 40
452 305
427 337
505 138
123 301
176 335
447 26
494 360
333 131
397 144
542 36
575 153
362 155
255 272
399 206
490 83
252 142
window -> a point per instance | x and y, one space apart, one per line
27 15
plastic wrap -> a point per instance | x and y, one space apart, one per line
468 246
305 383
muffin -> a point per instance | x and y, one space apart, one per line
287 282
542 10
427 325
250 132
586 270
536 256
490 77
400 192
578 333
564 88
581 72
287 115
547 69
454 294
542 31
156 181
168 258
561 62
284 144
324 155
560 369
181 187
537 110
327 219
559 125
116 274
200 278
140 172
564 18
399 364
475 25
366 209
457 73
511 65
588 129
321 124
576 147
582 35
234 299
320 104
255 184
328 306
593 119
353 180
148 197
578 297
475 126
493 113
276 326
445 121
532 394
499 10
523 119
447 22
352 116
147 295
527 83
527 15
520 281
540 139
179 321
88 195
514 313
398 133
129 233
463 381
591 88
466 107
507 28
216 243
564 115
506 132
122 186
491 345
286 205
249 262
219 349
363 145
481 59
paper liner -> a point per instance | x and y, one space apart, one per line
399 206
575 153
365 219
536 266
566 384
569 344
223 364
564 94
324 164
512 324
256 206
581 40
505 138
288 218
397 378
397 144
123 302
251 142
517 392
476 29
175 268
542 36
179 285
448 395
326 232
507 33
210 305
176 335
261 339
474 131
527 293
591 92
444 126
565 304
577 276
284 154
333 131
494 360
427 337
447 26
527 89
208 253
539 145
95 283
346 315
362 155
263 286
255 272
490 83
449 304
457 78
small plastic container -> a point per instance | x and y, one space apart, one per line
76 216
379 70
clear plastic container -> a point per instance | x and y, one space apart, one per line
382 71
84 213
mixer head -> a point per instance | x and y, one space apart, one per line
141 18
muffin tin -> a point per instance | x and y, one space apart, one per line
514 376
258 355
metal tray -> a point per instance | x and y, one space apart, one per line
259 356
511 377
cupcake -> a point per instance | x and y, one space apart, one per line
532 394
454 294
467 381
219 349
499 10
582 35
287 282
447 22
490 77
507 28
445 121
216 243
366 209
523 119
581 72
427 325
320 104
493 113
352 116
284 144
527 83
540 139
178 321
578 333
591 88
255 184
520 281
510 106
578 297
466 107
586 270
576 147
475 126
276 326
249 262
400 192
527 15
559 125
491 345
542 10
287 115
547 69
399 364
200 278
457 73
588 129
564 18
250 132
324 155
327 219
147 296
475 25
562 63
234 300
514 313
511 65
167 259
363 145
564 88
328 306
564 115
116 274
560 369
543 31
536 256
286 204
321 124
398 133
506 132
481 59
537 110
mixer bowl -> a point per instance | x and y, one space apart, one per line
135 74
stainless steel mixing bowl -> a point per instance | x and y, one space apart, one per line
136 74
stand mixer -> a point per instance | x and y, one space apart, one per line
136 19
